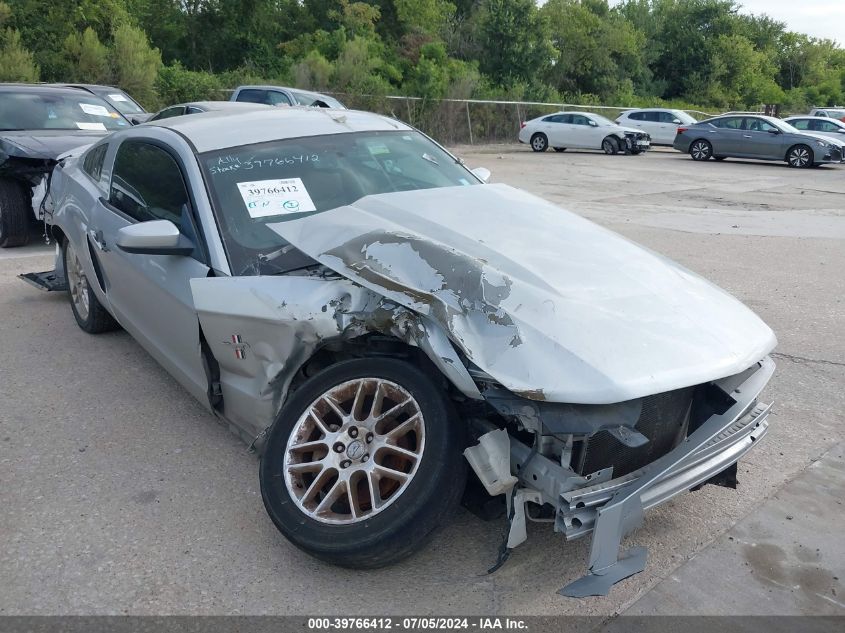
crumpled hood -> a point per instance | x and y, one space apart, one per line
551 305
45 144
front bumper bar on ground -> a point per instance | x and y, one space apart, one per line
615 508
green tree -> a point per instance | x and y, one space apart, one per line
16 62
136 64
514 41
88 57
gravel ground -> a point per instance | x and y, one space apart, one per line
122 495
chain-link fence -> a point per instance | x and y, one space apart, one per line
470 121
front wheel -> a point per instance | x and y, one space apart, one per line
800 157
701 150
610 145
539 142
89 313
363 463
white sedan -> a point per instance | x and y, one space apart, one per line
582 130
660 123
833 129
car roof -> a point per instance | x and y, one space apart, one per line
39 89
813 118
213 106
260 125
652 110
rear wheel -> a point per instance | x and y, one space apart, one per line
610 145
701 150
800 157
363 463
89 313
15 209
539 142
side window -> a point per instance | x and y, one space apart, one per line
92 164
827 126
147 183
578 119
801 124
267 97
731 123
821 113
193 110
652 117
667 117
552 118
564 118
169 113
637 116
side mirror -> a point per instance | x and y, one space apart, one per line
676 121
482 173
774 131
154 237
593 123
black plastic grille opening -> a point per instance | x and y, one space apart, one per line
663 421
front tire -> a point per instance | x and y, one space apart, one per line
363 463
15 210
610 146
89 313
539 142
701 150
800 157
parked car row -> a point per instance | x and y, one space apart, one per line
40 122
800 141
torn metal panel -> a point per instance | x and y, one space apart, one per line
556 309
714 446
262 330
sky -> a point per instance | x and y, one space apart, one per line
819 18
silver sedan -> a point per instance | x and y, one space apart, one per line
366 311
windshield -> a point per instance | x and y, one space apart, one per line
787 127
320 100
601 120
57 111
122 103
254 185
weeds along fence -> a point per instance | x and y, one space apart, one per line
470 121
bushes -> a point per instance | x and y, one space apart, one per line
175 84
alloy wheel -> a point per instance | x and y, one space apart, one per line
78 283
354 450
700 150
799 157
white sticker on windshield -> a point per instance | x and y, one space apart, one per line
96 110
117 97
91 126
264 198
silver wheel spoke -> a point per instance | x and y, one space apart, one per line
343 467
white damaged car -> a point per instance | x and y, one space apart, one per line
370 314
582 130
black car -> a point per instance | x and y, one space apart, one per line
38 124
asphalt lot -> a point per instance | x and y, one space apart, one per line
119 494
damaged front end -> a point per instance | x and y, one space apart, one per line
597 468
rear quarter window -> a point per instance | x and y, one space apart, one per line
92 164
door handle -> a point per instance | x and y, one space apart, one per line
746 136
97 238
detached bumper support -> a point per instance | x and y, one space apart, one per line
616 508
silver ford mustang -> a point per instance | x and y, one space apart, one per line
369 313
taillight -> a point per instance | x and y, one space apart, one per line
681 130
522 125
